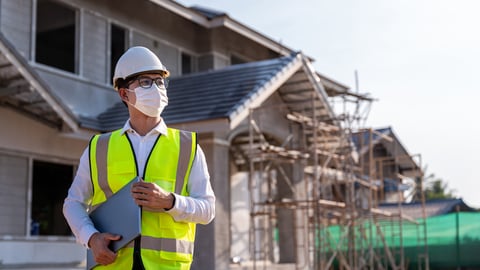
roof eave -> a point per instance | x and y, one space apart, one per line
331 83
183 11
316 82
227 22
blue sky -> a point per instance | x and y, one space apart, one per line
419 59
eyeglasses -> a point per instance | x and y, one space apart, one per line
146 82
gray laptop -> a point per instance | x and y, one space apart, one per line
118 215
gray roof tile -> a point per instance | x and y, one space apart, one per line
215 94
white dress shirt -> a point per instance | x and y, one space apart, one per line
198 207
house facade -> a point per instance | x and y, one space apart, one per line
56 64
280 160
384 158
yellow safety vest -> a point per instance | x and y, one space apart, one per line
165 243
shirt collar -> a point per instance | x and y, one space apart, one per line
160 128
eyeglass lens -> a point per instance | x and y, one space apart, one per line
146 82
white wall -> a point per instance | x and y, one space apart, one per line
240 211
40 251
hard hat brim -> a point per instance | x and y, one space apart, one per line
165 73
162 72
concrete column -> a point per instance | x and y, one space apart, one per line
212 245
286 221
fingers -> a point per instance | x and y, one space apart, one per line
99 245
140 191
151 196
142 185
112 237
146 191
105 257
140 194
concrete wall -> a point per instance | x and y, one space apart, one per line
94 50
240 216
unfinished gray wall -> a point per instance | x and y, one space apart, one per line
155 27
94 58
15 24
169 55
13 195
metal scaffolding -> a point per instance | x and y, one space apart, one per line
314 202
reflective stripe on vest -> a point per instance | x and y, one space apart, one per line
165 244
101 155
186 142
179 238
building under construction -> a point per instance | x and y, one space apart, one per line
327 180
298 184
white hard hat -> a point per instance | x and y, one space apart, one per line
135 61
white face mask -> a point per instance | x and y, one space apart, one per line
150 101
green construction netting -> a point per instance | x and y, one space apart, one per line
453 239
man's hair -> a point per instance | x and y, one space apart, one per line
123 83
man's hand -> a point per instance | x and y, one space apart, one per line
151 196
98 243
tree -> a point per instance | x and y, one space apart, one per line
438 189
431 186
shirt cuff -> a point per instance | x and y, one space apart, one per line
85 235
173 202
179 206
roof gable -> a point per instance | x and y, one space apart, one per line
386 138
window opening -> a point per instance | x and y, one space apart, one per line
55 35
50 185
117 45
186 63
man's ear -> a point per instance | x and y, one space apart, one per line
123 94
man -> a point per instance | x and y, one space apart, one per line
175 193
